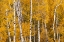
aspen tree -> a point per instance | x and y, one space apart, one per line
55 22
58 35
38 31
38 25
46 31
59 38
8 24
19 14
34 31
30 18
14 22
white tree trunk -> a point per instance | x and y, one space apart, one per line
34 36
30 19
19 14
55 21
14 24
59 38
38 31
9 34
57 24
46 36
34 31
8 24
38 25
46 32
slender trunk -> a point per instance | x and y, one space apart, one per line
38 31
9 34
30 18
55 22
25 39
59 38
57 28
19 14
46 33
14 24
38 25
8 24
34 36
54 25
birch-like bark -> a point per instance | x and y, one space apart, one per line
9 33
59 38
46 32
8 24
19 14
55 22
30 18
38 25
14 23
38 31
34 36
34 31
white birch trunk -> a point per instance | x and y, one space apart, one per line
19 14
14 24
8 26
57 35
46 36
57 24
54 24
34 37
34 32
55 20
59 38
9 34
38 31
38 25
30 19
46 32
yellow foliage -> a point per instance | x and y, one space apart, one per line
26 29
42 10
